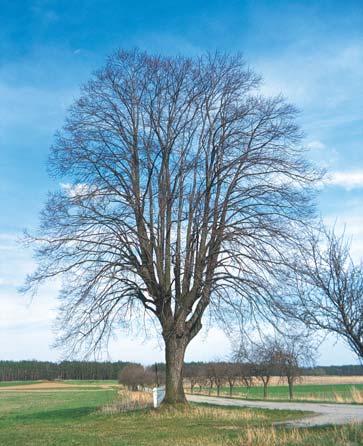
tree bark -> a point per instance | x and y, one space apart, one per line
174 358
291 391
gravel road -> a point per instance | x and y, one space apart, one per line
323 413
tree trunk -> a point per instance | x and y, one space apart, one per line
265 390
291 385
174 358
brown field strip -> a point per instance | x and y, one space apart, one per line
321 380
59 385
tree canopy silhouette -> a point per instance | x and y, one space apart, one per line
184 191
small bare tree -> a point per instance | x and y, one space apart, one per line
209 375
132 376
184 190
233 372
246 374
261 357
290 354
219 371
194 373
329 289
155 375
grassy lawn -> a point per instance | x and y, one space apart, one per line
16 383
303 392
73 418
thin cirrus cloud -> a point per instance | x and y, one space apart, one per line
316 145
347 179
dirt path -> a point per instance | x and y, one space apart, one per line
324 413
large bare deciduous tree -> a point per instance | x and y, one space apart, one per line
184 191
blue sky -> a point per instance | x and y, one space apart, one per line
311 51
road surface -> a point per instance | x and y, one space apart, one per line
323 413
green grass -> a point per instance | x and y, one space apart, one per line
16 383
304 392
72 384
55 418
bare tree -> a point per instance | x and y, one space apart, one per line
132 376
233 373
246 374
194 373
184 190
209 375
261 357
219 372
264 365
329 288
290 354
155 375
203 380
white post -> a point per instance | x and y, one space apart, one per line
158 396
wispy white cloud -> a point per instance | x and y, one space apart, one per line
25 323
347 179
315 145
18 261
29 106
322 77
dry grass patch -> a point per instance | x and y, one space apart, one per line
354 396
350 435
202 413
319 380
128 401
44 385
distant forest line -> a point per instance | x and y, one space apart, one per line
93 370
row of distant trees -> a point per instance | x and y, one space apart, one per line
36 370
255 362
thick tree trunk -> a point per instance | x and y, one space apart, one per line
174 357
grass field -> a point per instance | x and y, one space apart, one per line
75 417
352 393
16 383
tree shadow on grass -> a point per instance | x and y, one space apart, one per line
59 415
